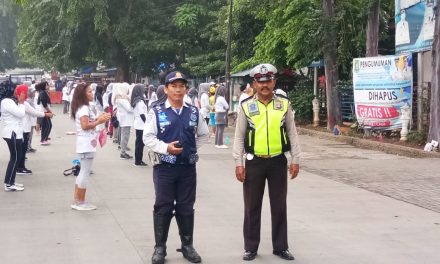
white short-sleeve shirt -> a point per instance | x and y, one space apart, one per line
86 140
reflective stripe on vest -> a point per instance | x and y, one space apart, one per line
265 132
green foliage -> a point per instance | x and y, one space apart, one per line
294 31
301 99
417 137
8 56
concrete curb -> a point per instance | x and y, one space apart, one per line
368 144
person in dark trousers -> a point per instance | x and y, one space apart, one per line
30 113
12 112
140 110
265 131
173 131
44 101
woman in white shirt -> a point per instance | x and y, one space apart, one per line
65 98
125 116
221 109
205 108
28 121
140 115
86 141
12 113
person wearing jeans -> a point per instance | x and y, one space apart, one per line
221 109
12 113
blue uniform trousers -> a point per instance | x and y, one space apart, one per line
175 187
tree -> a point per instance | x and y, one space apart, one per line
8 12
331 67
373 29
434 123
132 35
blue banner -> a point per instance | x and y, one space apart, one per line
414 25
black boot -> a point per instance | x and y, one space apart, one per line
161 227
186 229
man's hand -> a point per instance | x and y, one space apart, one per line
173 150
240 173
293 170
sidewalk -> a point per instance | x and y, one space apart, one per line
329 222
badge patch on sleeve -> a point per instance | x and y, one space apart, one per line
253 108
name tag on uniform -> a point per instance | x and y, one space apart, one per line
278 104
253 108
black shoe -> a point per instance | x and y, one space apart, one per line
284 254
190 254
31 150
125 156
24 171
159 255
249 255
140 164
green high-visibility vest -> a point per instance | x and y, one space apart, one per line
266 131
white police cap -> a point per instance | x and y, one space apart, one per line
263 72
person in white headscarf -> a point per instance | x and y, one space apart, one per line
125 116
205 108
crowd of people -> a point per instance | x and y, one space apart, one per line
171 121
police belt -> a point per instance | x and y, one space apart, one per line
267 156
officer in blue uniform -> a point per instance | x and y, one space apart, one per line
173 131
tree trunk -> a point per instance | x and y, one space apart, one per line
331 67
373 29
434 124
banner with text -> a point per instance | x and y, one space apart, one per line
414 25
382 85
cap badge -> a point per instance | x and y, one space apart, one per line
263 70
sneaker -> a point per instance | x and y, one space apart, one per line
216 146
83 206
141 164
222 147
13 188
31 150
45 143
125 156
24 171
19 184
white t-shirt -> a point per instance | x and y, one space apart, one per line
204 105
221 105
86 140
125 113
29 118
12 118
140 109
65 93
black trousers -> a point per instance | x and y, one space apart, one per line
24 148
46 127
175 187
258 170
15 148
138 147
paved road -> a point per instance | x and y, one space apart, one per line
348 206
